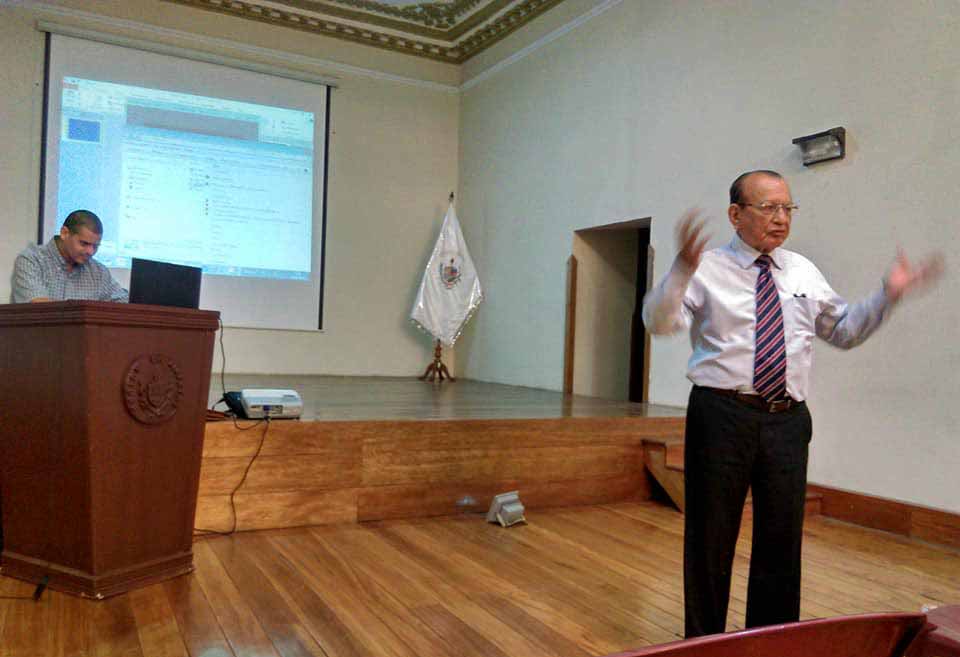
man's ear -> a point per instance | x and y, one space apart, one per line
733 213
64 232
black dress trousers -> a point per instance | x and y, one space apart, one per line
731 447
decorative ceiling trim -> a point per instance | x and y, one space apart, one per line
506 24
437 19
480 36
158 34
432 14
443 26
109 27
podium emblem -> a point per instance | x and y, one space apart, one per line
152 389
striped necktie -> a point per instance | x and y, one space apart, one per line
770 357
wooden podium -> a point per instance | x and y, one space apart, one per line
101 434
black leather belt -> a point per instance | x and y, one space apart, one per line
756 401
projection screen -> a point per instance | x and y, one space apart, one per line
193 163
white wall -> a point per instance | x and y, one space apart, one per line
652 107
393 162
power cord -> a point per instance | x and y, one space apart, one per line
223 369
199 531
37 592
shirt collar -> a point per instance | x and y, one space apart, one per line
54 253
746 255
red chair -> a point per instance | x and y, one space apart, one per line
941 636
865 635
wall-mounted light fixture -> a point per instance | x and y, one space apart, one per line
823 146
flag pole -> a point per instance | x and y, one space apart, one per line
437 370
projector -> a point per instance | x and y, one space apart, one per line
260 403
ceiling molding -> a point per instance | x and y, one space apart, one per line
451 32
442 15
209 43
444 21
155 33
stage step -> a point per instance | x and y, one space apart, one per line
663 458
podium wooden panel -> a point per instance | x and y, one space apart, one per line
95 498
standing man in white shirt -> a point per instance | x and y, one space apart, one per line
752 309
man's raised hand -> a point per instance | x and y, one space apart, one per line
690 239
905 277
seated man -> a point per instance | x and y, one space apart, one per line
64 267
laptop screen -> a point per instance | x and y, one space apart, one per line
164 284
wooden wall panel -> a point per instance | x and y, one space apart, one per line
864 510
342 471
576 431
279 509
936 526
273 473
901 518
224 439
492 463
385 502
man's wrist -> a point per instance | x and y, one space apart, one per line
892 293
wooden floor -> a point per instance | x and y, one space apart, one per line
406 398
573 582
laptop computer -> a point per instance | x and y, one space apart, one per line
164 284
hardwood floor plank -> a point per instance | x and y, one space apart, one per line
278 620
198 624
239 623
320 619
465 575
400 596
460 638
356 598
156 624
508 564
9 588
655 586
414 586
590 573
550 641
27 628
114 628
72 626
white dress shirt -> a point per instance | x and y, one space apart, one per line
717 304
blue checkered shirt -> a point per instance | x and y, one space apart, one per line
40 271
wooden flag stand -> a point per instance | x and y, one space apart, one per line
437 370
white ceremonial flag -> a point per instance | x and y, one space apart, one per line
450 291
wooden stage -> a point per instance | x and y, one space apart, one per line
372 448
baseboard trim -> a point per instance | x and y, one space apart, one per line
910 520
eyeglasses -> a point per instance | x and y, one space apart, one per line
771 209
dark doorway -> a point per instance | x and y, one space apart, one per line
639 345
606 352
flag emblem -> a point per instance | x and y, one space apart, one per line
450 273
